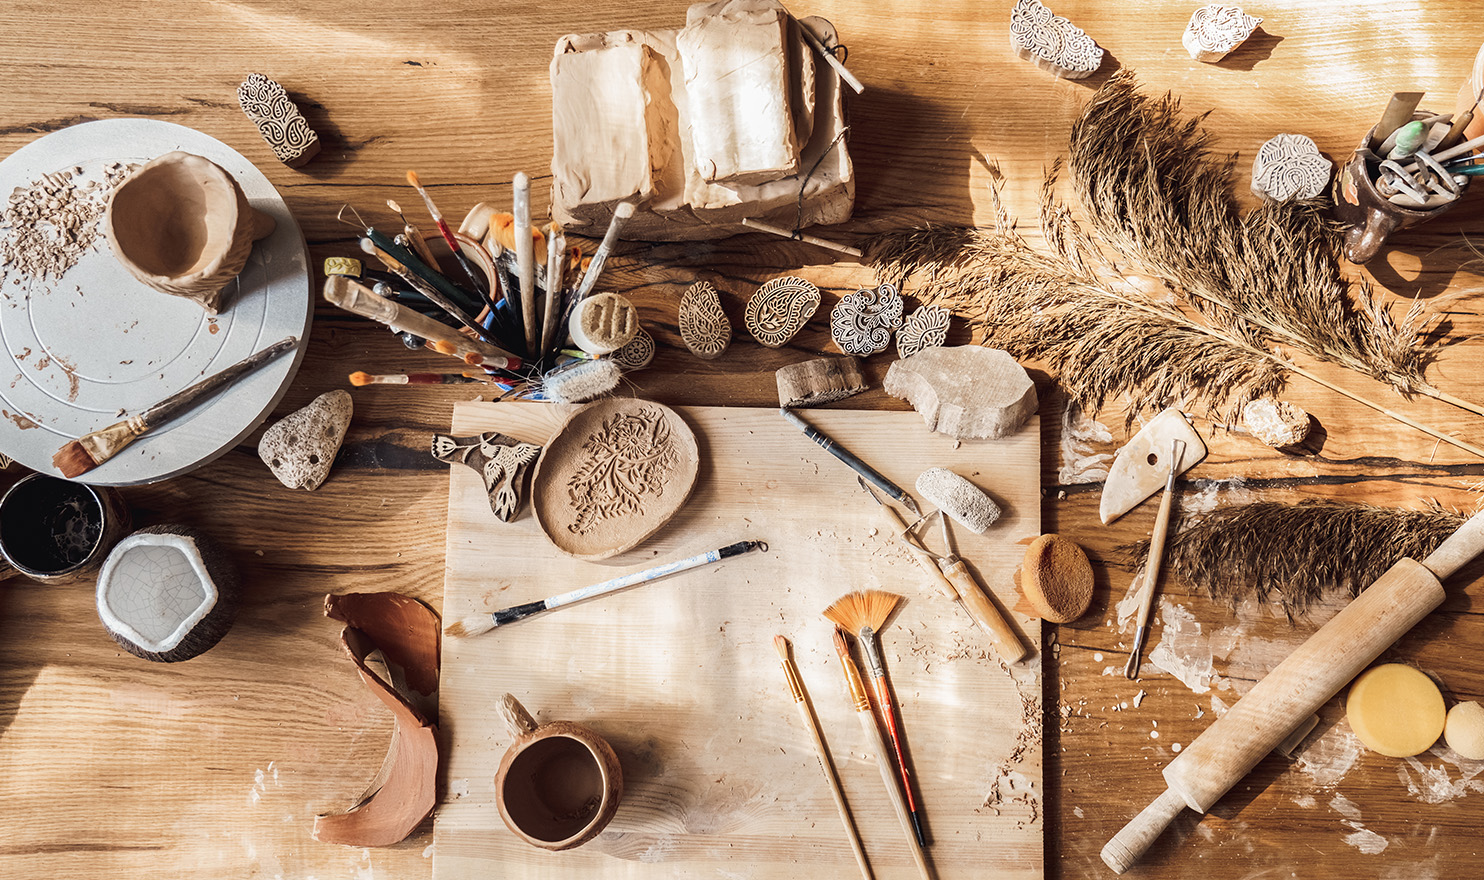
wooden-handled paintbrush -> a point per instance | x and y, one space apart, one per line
801 699
862 702
91 450
864 613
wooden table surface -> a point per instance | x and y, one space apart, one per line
111 766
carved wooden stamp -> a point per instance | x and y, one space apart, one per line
780 309
278 120
603 323
1051 42
820 381
1215 30
704 327
500 460
1289 166
926 328
862 322
636 354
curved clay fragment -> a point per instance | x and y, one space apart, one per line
404 791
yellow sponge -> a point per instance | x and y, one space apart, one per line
1396 710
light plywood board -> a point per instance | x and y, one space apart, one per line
680 675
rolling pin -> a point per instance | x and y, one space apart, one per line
1296 688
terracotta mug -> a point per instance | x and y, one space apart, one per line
1368 216
559 784
181 225
53 529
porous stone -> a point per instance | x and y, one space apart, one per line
966 391
1276 422
300 448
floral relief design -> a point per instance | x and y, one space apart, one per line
629 460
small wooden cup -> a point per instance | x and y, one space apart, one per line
559 784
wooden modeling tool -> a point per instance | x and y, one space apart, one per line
621 214
404 263
1156 557
556 249
895 525
90 450
815 240
479 624
874 741
806 712
894 491
525 261
357 298
1228 750
967 503
829 58
864 613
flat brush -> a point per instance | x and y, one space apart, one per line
91 450
851 461
360 378
862 702
473 357
863 613
801 699
458 253
594 268
479 624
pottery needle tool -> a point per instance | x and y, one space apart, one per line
779 231
897 526
525 261
874 741
1156 559
806 712
91 450
402 265
479 624
360 378
621 213
453 243
894 491
863 613
357 298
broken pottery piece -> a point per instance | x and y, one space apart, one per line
613 475
820 381
704 327
501 461
167 593
1290 166
966 391
862 322
278 120
603 323
181 225
393 641
300 448
636 353
1051 42
1275 422
925 328
1215 30
780 309
1142 466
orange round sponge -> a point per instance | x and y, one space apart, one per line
1395 710
1056 578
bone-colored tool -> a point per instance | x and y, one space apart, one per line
1139 469
1156 557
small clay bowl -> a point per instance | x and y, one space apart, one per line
181 225
559 783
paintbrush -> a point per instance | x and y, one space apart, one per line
867 718
801 699
356 298
360 378
479 624
863 613
91 450
621 214
851 461
402 262
556 249
474 357
458 253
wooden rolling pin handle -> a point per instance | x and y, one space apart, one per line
1128 845
1459 549
984 612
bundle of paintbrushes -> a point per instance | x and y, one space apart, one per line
510 308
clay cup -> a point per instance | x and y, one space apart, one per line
559 784
181 225
1368 216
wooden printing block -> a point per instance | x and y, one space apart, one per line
278 120
1051 42
822 380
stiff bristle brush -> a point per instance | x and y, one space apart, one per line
91 450
863 614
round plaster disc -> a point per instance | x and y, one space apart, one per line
86 350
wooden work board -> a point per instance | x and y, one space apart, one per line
681 676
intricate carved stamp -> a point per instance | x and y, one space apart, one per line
1051 42
926 328
862 322
780 309
1215 30
637 354
704 327
1289 167
500 460
629 460
279 122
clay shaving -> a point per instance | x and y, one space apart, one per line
50 224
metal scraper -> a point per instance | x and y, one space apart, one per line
1140 468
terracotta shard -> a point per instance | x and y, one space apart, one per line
1215 30
1051 42
278 120
501 461
404 791
1290 166
300 448
613 475
1141 467
926 328
966 391
862 322
820 381
704 327
780 309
